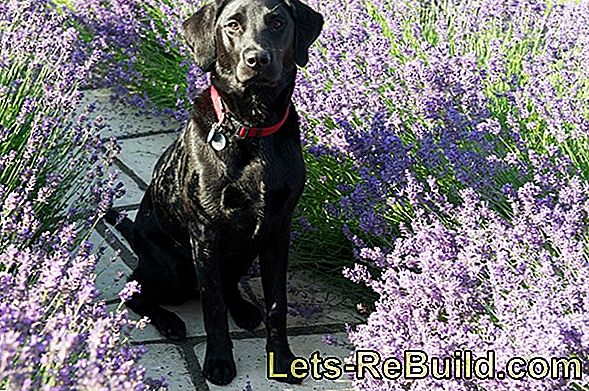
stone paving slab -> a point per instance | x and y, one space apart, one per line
141 154
167 360
111 231
111 271
121 120
250 360
310 304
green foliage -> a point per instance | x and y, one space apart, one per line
324 248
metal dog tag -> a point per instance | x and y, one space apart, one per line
218 141
211 134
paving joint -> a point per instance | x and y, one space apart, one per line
126 255
112 301
127 170
146 134
193 366
294 331
130 207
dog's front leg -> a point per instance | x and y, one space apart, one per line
273 265
219 366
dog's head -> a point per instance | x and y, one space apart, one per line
252 41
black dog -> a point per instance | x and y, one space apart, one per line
224 192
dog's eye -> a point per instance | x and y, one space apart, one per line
277 24
233 25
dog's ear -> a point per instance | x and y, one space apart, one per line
199 32
308 27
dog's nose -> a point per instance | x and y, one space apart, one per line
255 58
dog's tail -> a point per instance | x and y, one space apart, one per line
122 224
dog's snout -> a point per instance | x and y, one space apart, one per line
256 58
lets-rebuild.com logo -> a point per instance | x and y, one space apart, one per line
416 364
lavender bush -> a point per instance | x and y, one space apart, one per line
476 281
464 221
142 55
46 150
446 148
55 182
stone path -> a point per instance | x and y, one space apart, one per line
315 312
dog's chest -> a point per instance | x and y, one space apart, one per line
246 189
243 188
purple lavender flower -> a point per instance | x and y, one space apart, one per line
130 288
55 175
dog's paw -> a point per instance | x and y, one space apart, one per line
246 315
219 370
169 325
283 359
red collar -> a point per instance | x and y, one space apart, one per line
245 132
